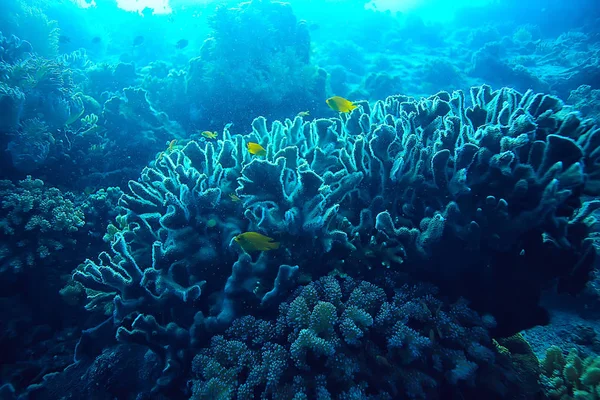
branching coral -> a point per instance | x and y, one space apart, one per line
100 209
490 179
32 217
570 377
586 100
31 145
12 101
347 339
173 252
484 200
36 87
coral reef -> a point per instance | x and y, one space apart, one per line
39 101
30 344
105 79
258 54
180 210
490 63
13 49
586 100
12 101
484 200
28 21
340 338
516 54
30 147
47 123
37 223
393 216
166 87
100 209
570 377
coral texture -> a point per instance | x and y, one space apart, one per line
484 200
341 339
37 222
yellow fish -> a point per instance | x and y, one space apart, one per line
303 114
256 149
169 149
340 104
254 241
234 198
209 134
171 145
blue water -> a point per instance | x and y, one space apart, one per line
320 199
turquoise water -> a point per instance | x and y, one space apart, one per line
316 199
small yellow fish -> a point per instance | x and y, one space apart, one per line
209 134
303 114
170 148
340 104
256 149
171 145
234 198
254 241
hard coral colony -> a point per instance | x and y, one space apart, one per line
406 246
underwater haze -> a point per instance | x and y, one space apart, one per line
305 200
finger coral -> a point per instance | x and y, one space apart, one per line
36 223
342 339
570 377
